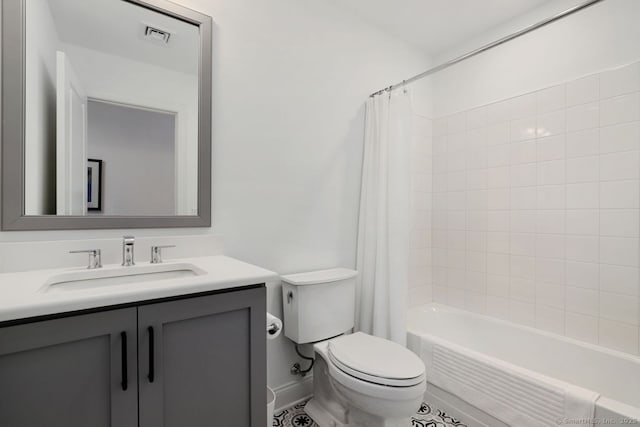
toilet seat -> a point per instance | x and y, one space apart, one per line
375 360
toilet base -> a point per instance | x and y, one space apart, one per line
333 405
325 419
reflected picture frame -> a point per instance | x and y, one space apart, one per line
94 185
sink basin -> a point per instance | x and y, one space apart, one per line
92 279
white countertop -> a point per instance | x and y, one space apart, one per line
22 296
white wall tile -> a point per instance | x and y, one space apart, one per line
498 199
551 99
620 308
619 251
620 81
498 242
620 195
550 246
550 221
523 267
551 172
498 220
497 134
549 124
498 264
555 197
522 244
498 177
581 327
585 116
582 196
498 285
621 109
581 300
583 222
550 319
523 198
498 156
583 169
540 199
477 241
619 279
498 307
620 166
582 248
619 336
582 274
522 290
522 313
522 106
549 270
583 90
551 148
523 129
498 111
550 295
620 222
621 137
522 221
583 143
457 123
524 175
523 152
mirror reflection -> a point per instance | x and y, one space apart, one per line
111 117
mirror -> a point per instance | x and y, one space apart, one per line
114 114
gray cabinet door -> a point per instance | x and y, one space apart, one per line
203 361
69 372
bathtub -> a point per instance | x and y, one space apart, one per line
612 374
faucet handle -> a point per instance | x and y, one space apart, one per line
95 257
156 253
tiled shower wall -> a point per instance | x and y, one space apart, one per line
421 174
536 209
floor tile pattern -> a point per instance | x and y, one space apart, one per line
427 416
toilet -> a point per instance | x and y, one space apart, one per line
358 380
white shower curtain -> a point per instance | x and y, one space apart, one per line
383 231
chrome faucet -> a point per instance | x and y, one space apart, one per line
95 257
156 253
128 257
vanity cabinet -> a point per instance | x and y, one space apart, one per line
189 361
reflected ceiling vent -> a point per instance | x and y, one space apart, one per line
157 35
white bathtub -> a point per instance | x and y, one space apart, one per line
612 374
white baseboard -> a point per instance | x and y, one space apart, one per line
294 392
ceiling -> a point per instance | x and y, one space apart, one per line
436 25
117 27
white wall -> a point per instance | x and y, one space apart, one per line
40 117
535 178
603 36
290 79
137 149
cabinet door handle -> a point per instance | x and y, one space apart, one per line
125 373
152 369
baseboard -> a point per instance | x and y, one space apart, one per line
292 393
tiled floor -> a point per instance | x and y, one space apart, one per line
427 416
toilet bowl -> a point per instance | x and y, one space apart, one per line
361 380
358 380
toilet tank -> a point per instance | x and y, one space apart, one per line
319 304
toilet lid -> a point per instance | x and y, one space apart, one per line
376 360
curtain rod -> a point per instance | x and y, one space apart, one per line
489 46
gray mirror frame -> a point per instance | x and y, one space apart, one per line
12 133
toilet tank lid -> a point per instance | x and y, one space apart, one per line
319 277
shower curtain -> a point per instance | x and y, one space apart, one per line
384 224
